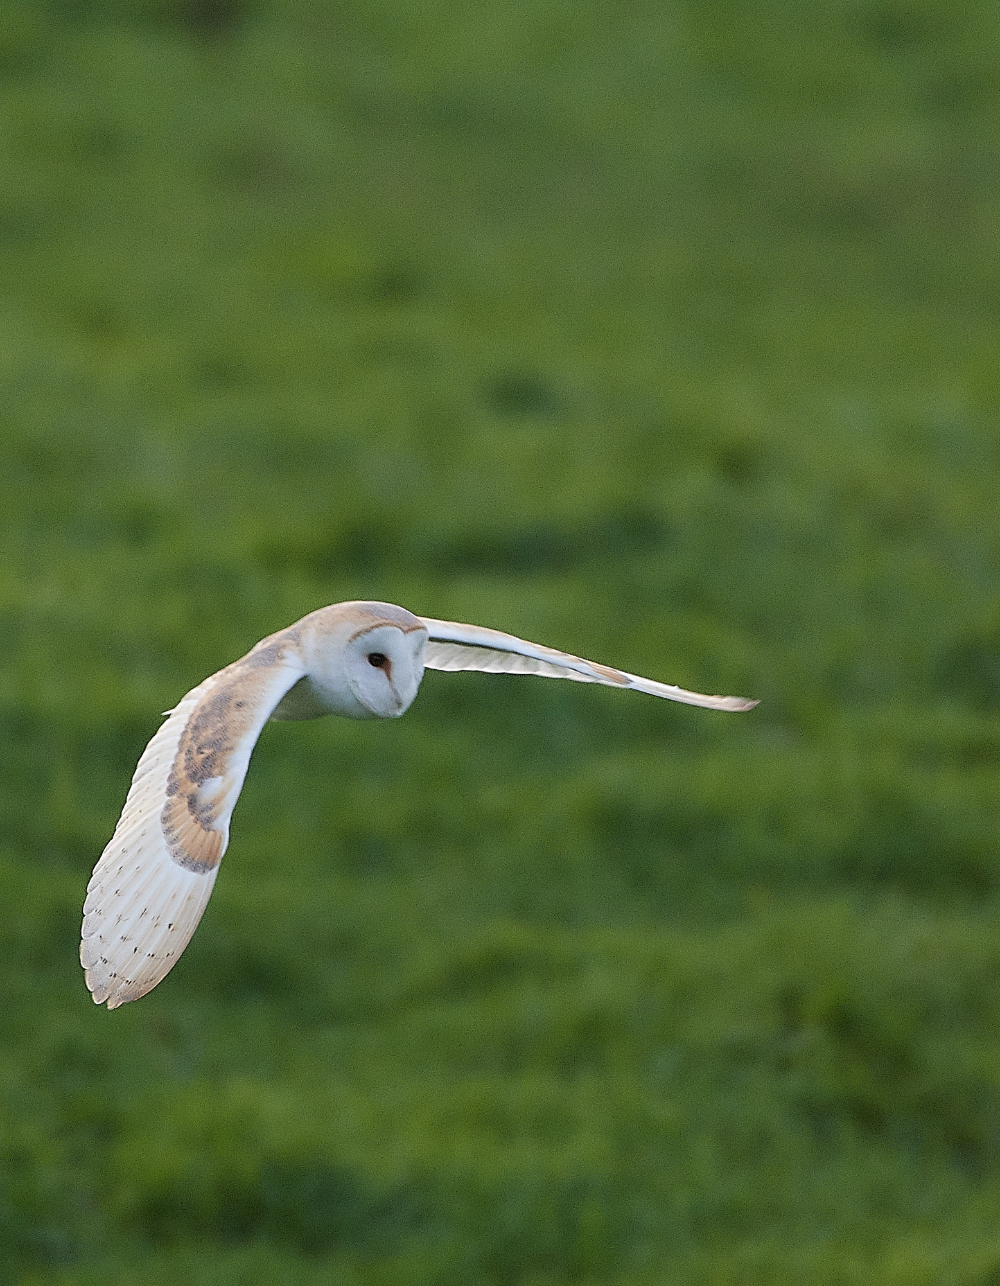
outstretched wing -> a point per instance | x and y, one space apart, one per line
451 646
153 880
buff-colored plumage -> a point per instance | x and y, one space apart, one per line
363 660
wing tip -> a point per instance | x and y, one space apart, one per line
99 990
116 993
738 703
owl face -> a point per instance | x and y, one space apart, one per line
383 667
362 660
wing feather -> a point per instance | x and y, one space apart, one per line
153 881
452 646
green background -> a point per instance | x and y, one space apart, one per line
666 333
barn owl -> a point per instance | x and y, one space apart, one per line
362 660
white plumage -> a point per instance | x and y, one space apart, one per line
362 660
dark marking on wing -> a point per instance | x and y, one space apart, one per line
217 725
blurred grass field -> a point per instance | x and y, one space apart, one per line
664 333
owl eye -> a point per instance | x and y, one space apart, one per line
378 659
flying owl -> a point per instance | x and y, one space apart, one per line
361 660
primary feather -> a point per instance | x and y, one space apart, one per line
362 660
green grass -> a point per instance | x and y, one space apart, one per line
665 333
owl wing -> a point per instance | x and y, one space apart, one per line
153 880
451 646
